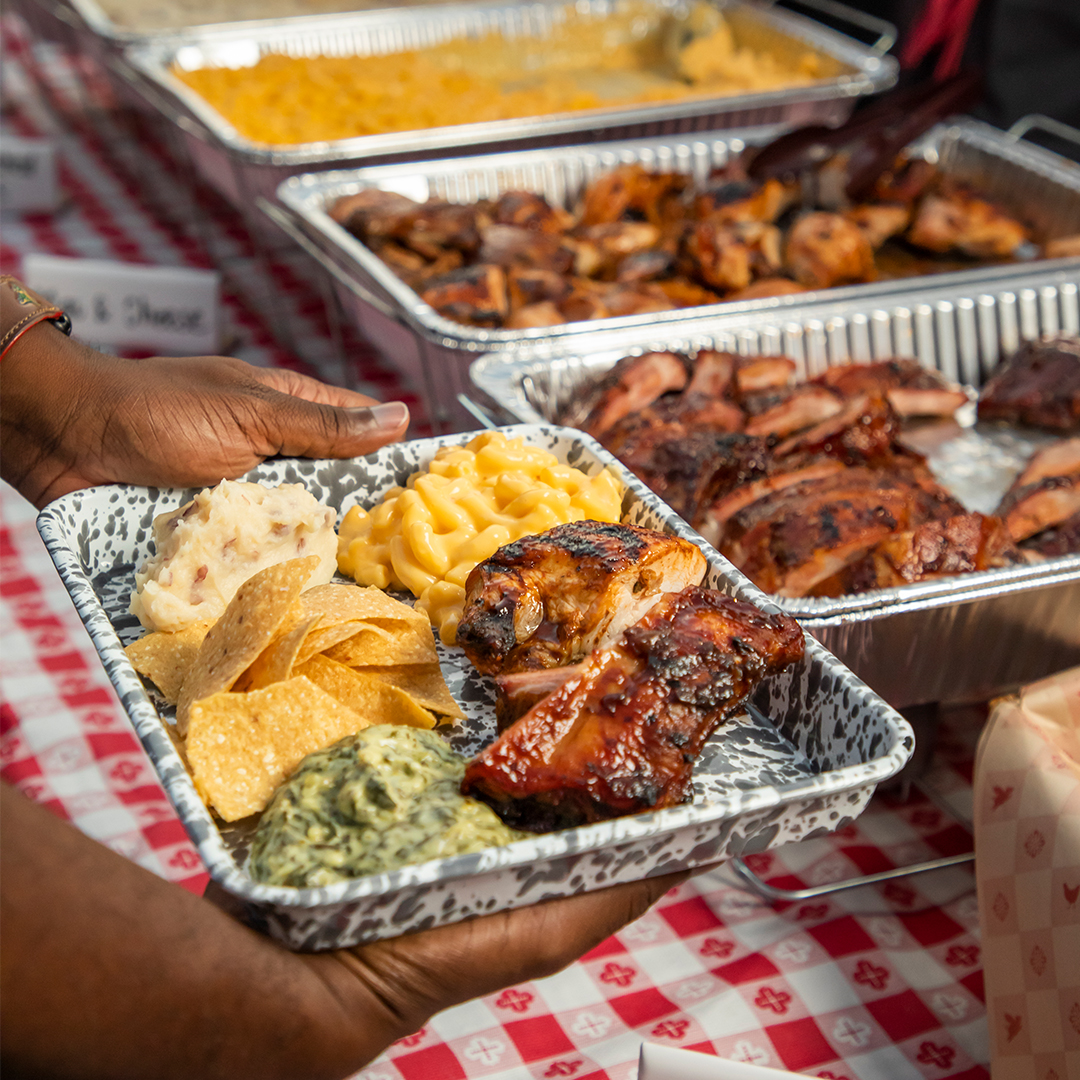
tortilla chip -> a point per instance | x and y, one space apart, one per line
377 646
339 603
165 659
251 621
424 683
241 747
376 701
326 637
276 661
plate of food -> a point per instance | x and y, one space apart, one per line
456 676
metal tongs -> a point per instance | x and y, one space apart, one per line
868 144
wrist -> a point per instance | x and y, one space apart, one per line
44 382
21 309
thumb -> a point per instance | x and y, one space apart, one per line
302 428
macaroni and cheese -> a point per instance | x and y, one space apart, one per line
473 499
586 61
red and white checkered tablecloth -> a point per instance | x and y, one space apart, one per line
880 983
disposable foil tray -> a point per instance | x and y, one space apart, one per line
1041 186
243 169
802 761
957 639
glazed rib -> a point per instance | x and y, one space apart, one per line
548 600
1040 386
622 735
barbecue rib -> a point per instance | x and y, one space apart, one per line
1046 493
548 600
632 384
621 735
790 541
1039 385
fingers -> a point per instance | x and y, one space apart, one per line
306 418
420 974
302 386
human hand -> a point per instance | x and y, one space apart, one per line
72 417
415 976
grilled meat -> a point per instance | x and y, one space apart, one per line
826 249
956 545
1052 543
1046 493
622 734
877 222
911 389
632 384
548 600
475 295
790 540
954 219
1039 385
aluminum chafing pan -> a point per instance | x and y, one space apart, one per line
1039 184
243 169
956 639
803 761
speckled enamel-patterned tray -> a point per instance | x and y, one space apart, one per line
803 760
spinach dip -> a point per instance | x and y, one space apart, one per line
377 800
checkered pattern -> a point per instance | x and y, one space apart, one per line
876 983
1028 833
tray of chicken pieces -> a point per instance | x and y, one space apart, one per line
927 532
457 676
560 252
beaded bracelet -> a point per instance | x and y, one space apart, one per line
22 308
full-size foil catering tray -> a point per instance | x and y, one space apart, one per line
802 761
243 169
964 638
1043 187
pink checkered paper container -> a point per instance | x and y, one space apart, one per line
1027 846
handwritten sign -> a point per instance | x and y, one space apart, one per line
122 305
28 174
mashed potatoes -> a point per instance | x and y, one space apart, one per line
209 547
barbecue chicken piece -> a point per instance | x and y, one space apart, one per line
633 383
825 249
1040 386
1046 493
621 735
953 219
630 190
789 541
373 213
474 295
723 199
530 211
878 221
957 545
767 286
548 600
515 245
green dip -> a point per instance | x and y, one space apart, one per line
383 798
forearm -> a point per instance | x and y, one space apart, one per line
108 971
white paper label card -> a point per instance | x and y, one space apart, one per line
28 174
122 305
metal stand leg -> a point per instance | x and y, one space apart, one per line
771 893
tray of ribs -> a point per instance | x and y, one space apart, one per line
927 532
557 252
627 699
